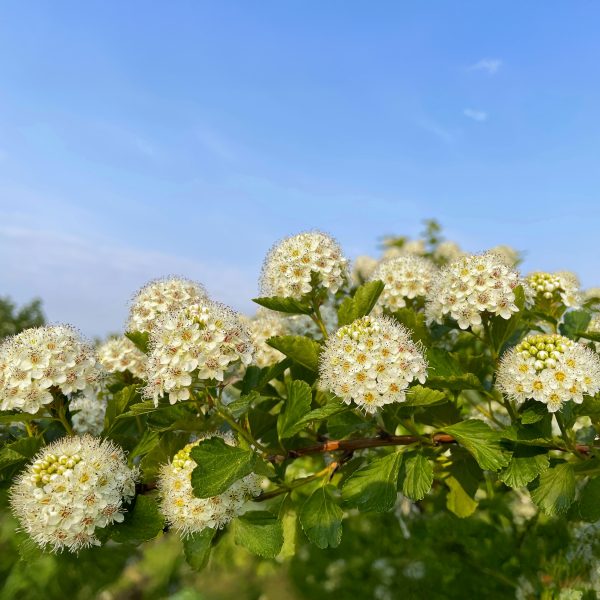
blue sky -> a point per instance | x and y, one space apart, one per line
139 139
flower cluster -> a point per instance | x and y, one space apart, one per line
189 514
75 485
87 411
409 247
37 360
553 288
263 326
159 297
201 341
551 369
508 254
470 286
120 354
447 251
371 362
362 268
288 266
405 278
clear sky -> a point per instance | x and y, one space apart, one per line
139 139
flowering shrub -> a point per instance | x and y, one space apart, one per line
427 425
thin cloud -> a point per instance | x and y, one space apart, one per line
489 65
476 115
437 130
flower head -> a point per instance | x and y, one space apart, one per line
198 342
549 368
288 266
363 268
118 355
405 277
38 359
553 288
72 487
472 285
159 297
447 251
371 362
508 254
408 247
189 514
88 412
263 326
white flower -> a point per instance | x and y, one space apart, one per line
509 255
263 326
72 487
409 247
591 294
198 342
162 296
371 362
551 369
551 288
88 412
362 268
288 266
470 286
120 354
188 514
447 251
405 278
37 360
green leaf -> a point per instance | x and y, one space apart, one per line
219 465
587 508
335 407
575 321
481 441
526 464
145 444
588 335
556 489
361 303
373 487
295 406
170 443
143 522
321 518
418 476
422 396
299 348
445 372
532 412
140 339
502 329
259 532
285 305
462 483
414 321
118 403
19 451
18 417
197 548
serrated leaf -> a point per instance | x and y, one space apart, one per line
259 532
502 329
418 476
361 303
575 321
295 406
321 518
462 483
19 451
373 487
143 522
422 396
140 339
446 372
170 443
219 465
197 548
481 441
415 321
119 403
299 348
330 409
526 464
285 305
587 507
18 417
532 412
556 489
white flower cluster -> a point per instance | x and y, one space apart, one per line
72 487
159 297
371 362
288 266
470 286
120 354
447 251
200 341
508 254
549 368
88 412
409 247
551 288
363 268
405 278
263 326
39 359
189 514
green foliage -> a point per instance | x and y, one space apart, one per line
300 349
143 522
295 407
556 489
284 305
418 476
13 320
321 518
197 548
361 303
259 532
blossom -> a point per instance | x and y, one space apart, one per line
263 326
189 514
363 268
549 368
409 247
405 278
371 362
159 297
39 359
552 288
198 342
289 264
447 251
508 254
88 412
471 286
120 354
73 486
